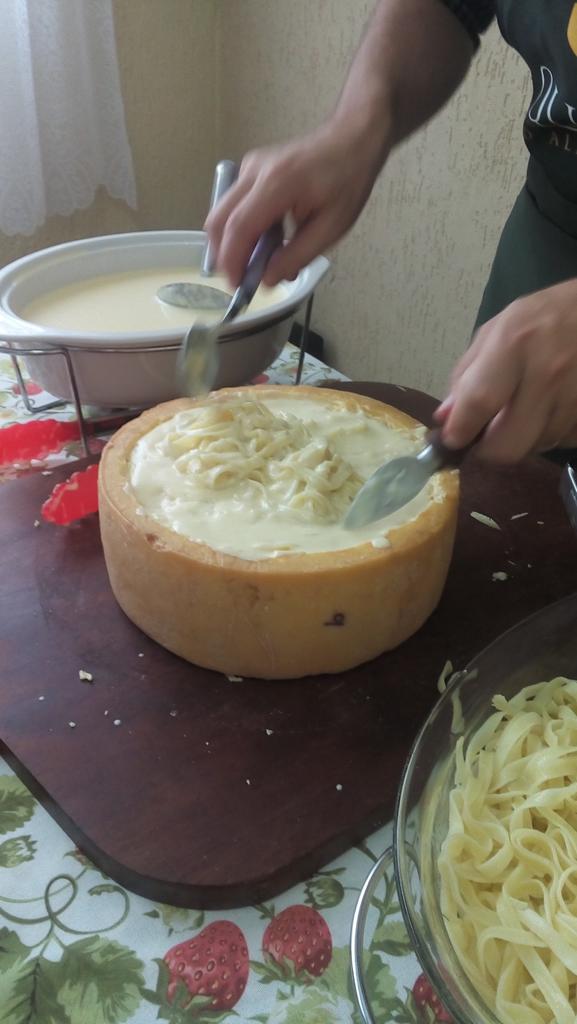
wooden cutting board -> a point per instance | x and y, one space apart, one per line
215 793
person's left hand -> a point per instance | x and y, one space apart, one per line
520 377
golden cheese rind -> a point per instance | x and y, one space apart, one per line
278 618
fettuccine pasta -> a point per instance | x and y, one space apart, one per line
508 866
275 463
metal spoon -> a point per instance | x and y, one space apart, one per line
187 295
203 296
400 480
198 359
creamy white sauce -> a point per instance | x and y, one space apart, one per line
205 482
126 301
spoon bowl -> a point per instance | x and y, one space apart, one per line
193 296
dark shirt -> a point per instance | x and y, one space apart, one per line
476 15
544 32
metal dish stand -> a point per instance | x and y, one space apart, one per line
95 424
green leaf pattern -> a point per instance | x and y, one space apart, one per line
16 851
391 938
98 980
16 804
313 1006
177 920
95 980
324 891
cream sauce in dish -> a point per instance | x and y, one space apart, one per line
127 302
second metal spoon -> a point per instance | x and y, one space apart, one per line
185 294
198 358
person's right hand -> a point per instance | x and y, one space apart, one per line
323 181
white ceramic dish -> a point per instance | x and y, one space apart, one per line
135 368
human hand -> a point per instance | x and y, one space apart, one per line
520 377
322 181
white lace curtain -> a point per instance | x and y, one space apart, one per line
62 128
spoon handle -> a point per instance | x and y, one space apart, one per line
262 252
450 458
225 175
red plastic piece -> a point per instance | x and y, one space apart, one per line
73 499
21 442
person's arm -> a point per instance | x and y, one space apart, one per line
414 55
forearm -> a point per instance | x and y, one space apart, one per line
414 55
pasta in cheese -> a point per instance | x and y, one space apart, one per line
508 865
262 479
276 461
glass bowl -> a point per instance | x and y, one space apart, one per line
539 648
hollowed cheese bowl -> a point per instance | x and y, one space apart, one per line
256 609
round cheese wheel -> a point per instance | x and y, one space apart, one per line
298 613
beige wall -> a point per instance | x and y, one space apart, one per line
167 52
209 78
406 283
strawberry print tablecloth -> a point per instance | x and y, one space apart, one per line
75 948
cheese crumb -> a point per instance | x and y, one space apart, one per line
42 698
500 576
381 542
540 522
117 721
36 522
235 679
269 732
338 786
520 515
72 725
173 713
140 654
486 520
248 782
86 677
107 712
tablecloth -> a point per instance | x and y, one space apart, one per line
76 948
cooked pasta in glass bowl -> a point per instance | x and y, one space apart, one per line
485 839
